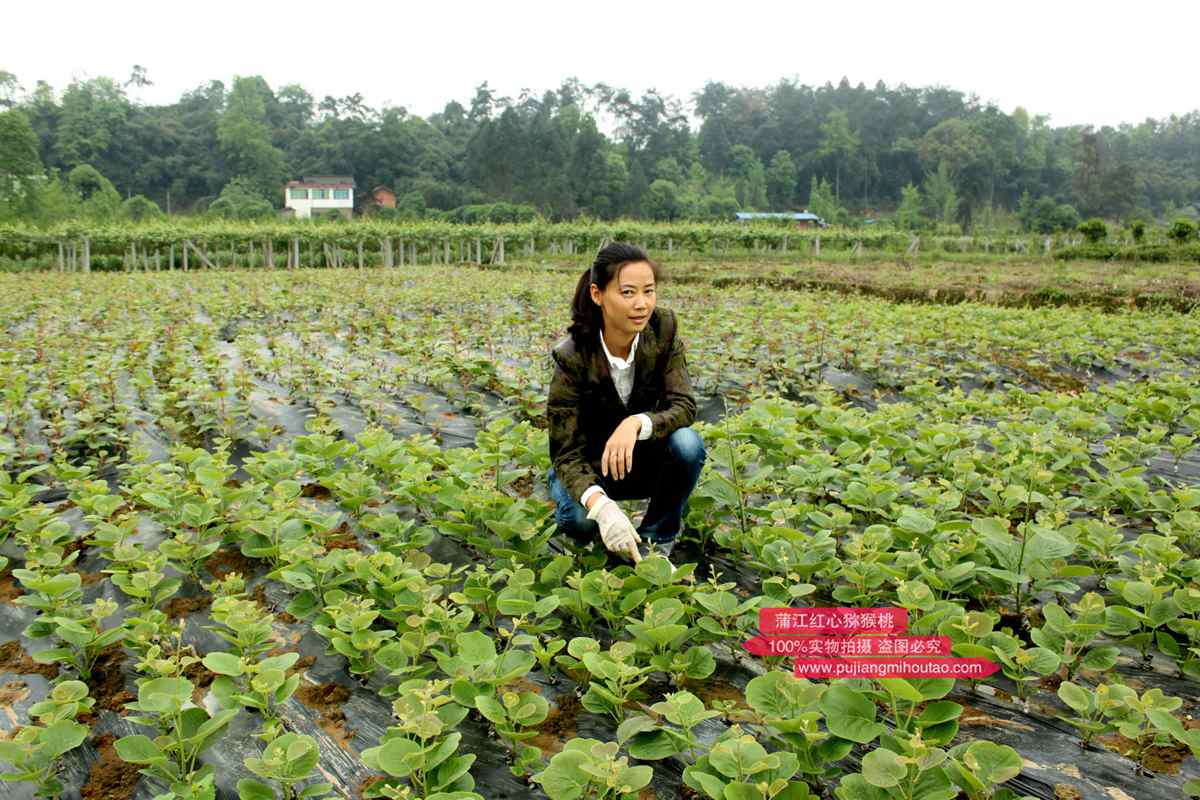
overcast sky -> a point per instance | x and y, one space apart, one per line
1092 62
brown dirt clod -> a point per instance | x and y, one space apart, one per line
1051 682
341 538
10 589
559 725
522 685
14 659
1163 760
182 606
710 690
226 561
328 698
110 777
13 692
201 678
315 491
108 681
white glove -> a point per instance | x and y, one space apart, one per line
616 531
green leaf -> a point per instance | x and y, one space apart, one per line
1100 659
396 757
638 723
780 695
850 715
491 708
253 790
564 777
683 709
882 768
63 736
901 689
990 526
734 757
655 570
915 521
164 695
223 664
157 500
476 647
1165 721
1076 697
655 745
1138 593
138 749
937 713
992 763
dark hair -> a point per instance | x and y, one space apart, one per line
587 320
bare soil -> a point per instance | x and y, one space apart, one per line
227 561
110 777
327 698
559 725
108 681
14 659
178 607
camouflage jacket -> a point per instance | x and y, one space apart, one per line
583 407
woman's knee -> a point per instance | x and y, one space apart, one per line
570 517
573 521
687 446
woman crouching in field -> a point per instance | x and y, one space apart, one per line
619 408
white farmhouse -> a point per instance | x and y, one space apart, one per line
322 194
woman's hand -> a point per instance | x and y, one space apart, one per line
618 451
616 531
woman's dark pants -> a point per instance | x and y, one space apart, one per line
666 471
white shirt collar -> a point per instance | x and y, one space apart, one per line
620 363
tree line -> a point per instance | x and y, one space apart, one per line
928 155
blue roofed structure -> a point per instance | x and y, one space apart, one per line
803 217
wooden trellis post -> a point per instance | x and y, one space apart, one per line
199 254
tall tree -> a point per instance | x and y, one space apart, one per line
245 137
839 144
781 180
19 157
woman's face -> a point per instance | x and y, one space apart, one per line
628 300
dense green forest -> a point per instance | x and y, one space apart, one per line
930 155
